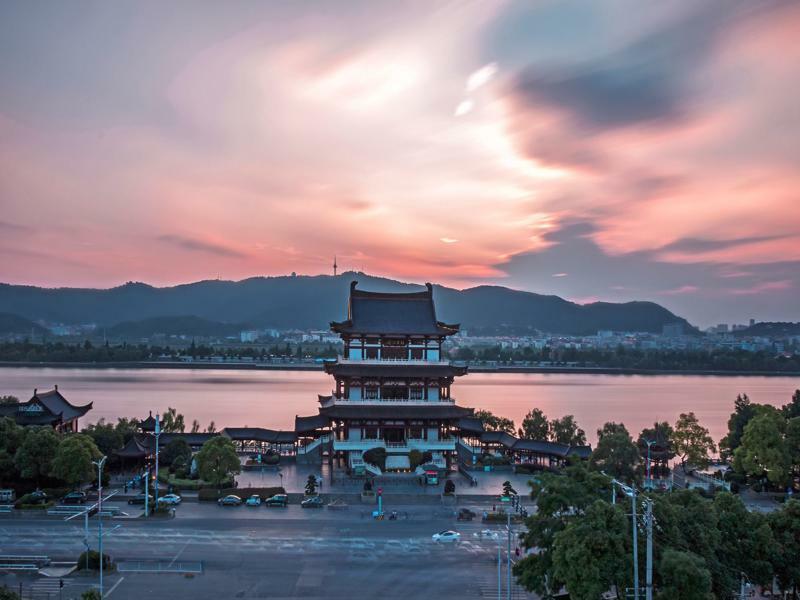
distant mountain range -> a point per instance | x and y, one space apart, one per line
305 302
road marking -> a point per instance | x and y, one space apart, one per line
174 558
113 587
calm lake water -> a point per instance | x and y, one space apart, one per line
272 398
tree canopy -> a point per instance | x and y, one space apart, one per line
692 442
217 461
492 422
34 457
616 454
72 463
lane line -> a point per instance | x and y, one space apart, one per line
113 587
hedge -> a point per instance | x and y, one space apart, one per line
210 495
94 561
186 484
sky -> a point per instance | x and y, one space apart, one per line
613 150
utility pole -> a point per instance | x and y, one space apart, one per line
649 483
649 567
499 577
147 492
508 583
631 491
100 464
157 434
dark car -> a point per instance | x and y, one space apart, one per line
140 498
231 500
465 514
277 500
74 498
37 497
313 502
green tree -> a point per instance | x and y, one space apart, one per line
127 428
172 421
591 555
492 422
11 436
763 450
616 454
217 460
311 485
743 411
661 451
508 489
785 525
791 410
8 594
177 448
566 431
560 499
792 439
91 594
691 441
106 436
535 426
34 457
72 463
6 400
746 543
684 576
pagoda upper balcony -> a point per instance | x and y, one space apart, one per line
391 360
334 400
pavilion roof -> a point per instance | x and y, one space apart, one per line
57 404
307 424
376 313
259 434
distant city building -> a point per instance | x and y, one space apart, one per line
672 330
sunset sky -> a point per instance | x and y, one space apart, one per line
609 150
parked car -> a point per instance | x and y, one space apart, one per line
170 499
37 497
231 500
277 500
74 498
140 498
7 496
446 536
465 514
313 502
254 500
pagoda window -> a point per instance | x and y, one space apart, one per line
373 353
394 392
415 432
416 393
433 393
371 393
417 353
370 433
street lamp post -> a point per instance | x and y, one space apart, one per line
631 491
100 464
649 478
158 435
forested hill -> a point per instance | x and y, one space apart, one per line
312 302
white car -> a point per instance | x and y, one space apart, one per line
446 536
486 534
172 499
254 500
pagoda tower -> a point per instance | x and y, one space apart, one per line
391 385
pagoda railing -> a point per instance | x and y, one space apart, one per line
381 361
448 443
333 401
